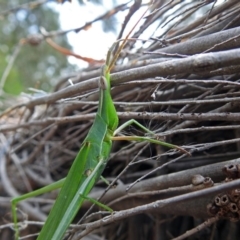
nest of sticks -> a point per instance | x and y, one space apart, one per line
184 86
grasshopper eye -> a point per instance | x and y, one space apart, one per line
102 83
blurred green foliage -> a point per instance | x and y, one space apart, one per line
40 66
35 66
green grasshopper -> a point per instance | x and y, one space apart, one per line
89 162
